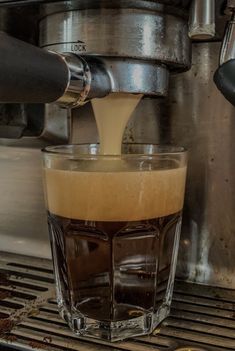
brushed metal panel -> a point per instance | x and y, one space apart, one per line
23 227
203 121
115 32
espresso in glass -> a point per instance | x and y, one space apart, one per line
114 225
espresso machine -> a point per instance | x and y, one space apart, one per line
55 57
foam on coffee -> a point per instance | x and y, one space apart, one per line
115 196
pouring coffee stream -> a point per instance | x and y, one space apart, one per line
112 114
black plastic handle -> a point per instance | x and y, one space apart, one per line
29 74
224 79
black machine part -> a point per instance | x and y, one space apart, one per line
29 74
224 79
224 76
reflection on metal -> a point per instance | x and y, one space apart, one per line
202 318
228 45
78 84
22 203
134 46
56 125
54 128
202 20
203 121
133 33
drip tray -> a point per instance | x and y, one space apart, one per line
202 318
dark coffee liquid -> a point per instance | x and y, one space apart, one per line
112 270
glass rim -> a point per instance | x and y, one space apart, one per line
164 150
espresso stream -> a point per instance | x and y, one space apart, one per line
112 114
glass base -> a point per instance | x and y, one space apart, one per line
114 331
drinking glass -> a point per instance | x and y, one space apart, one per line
114 224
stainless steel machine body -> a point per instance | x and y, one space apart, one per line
183 118
194 114
136 43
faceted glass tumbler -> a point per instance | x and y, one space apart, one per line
114 224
